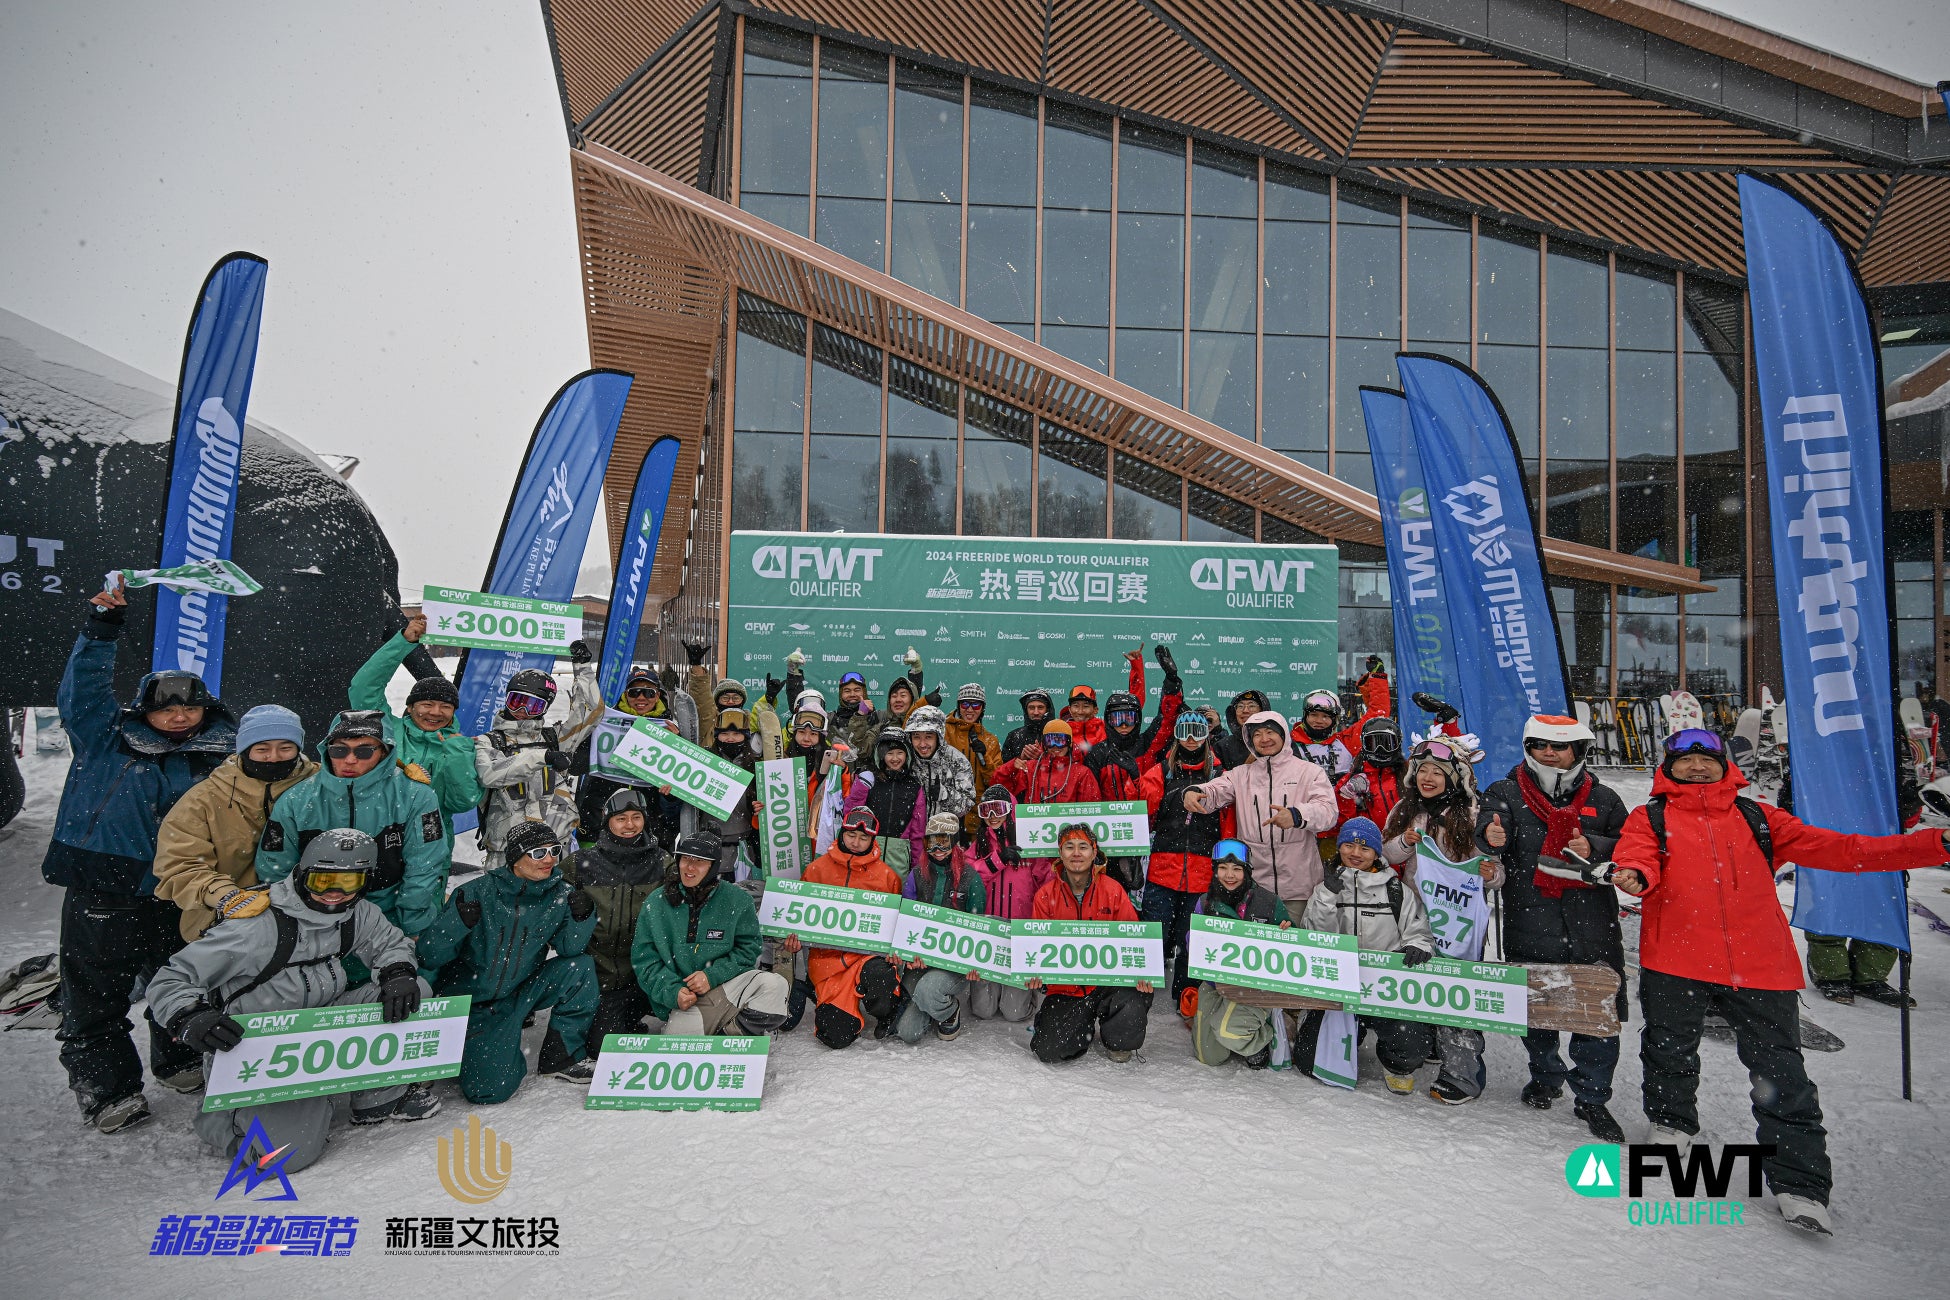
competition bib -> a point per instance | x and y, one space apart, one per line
1459 913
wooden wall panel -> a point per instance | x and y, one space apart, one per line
601 42
1005 36
660 121
1911 242
1848 199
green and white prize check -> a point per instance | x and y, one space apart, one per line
784 847
1444 991
290 1054
829 916
1116 953
476 621
1123 828
663 1072
955 941
1305 963
218 576
654 753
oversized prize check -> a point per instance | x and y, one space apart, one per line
666 1072
286 1055
650 751
829 916
1113 953
1446 991
957 942
1304 963
475 620
1122 827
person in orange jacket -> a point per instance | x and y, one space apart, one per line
1713 938
849 986
1071 1015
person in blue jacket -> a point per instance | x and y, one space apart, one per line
131 764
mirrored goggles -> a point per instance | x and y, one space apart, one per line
1121 718
1435 749
1056 742
1191 726
521 704
173 691
324 880
1696 740
940 841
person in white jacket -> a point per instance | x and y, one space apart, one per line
1282 803
524 764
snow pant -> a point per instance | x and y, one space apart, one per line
303 1123
987 1000
110 945
1224 1028
1172 908
1767 1035
1590 1071
1400 1045
1462 1058
1065 1024
876 992
492 1065
1853 961
932 999
751 1003
618 1011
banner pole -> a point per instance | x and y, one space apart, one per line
1904 959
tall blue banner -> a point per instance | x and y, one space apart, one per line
638 552
1425 653
1821 422
1504 633
547 525
211 396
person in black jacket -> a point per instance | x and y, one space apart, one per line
1037 708
1230 745
620 872
1549 806
1179 870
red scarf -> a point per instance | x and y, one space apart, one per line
1561 826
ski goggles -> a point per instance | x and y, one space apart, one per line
941 841
520 704
861 819
178 690
543 853
852 677
1121 718
359 752
1696 740
1057 741
1435 749
334 879
993 808
806 722
1229 851
1191 726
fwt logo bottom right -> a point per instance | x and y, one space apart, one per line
1699 1182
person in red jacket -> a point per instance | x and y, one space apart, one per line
1051 771
1071 1015
1374 787
850 986
1081 713
1713 938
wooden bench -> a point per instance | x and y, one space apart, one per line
1582 999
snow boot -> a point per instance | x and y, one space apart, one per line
1449 1094
1836 991
1403 1084
186 1081
946 1030
1119 1056
418 1103
1539 1096
1261 1059
118 1115
1805 1213
1882 991
1599 1121
1670 1137
576 1072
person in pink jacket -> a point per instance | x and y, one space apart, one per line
1010 882
1281 803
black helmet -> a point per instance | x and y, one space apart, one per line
173 686
624 800
1122 702
1381 742
342 859
535 691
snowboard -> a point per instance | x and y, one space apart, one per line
1813 1037
1683 712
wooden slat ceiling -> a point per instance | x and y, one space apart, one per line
661 260
660 119
601 42
1911 241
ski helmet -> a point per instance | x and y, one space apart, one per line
1381 742
174 687
1936 803
1321 702
340 860
529 694
1558 729
860 819
627 799
1122 702
1038 696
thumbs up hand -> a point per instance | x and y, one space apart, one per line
1494 835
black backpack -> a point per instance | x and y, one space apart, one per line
281 956
1655 813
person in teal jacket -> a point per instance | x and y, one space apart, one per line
426 735
696 951
363 786
491 943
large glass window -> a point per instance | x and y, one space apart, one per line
1438 282
1646 437
1151 262
1713 355
1147 502
1076 235
927 181
1912 550
775 128
1069 485
768 416
1648 643
1368 283
920 450
1367 615
1002 208
1506 333
1577 438
843 485
1294 282
995 471
1225 279
1216 518
852 211
1584 630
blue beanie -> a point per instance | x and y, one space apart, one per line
269 722
1360 828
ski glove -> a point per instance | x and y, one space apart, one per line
1165 661
695 651
399 992
1357 789
581 905
772 687
933 697
797 659
469 910
207 1029
1332 876
559 759
578 652
1576 868
1441 710
1413 957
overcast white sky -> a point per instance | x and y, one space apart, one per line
405 169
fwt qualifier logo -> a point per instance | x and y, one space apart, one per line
1698 1181
256 1164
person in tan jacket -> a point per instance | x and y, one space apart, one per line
206 845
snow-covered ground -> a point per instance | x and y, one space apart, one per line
968 1168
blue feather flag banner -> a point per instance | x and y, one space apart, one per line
1821 424
205 463
547 526
1504 633
638 553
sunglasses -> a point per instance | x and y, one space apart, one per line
344 882
360 752
543 853
1695 740
641 693
992 808
168 692
523 705
1534 746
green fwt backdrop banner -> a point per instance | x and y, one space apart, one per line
1018 614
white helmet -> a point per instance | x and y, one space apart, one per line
1324 701
1936 803
1555 726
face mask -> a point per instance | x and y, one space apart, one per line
259 769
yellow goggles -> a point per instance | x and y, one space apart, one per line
324 882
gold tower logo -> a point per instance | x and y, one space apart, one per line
475 1164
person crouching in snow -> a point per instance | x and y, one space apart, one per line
314 920
1713 939
492 942
1222 1028
851 986
697 947
1362 897
945 878
1071 1015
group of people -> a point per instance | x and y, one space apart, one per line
210 860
